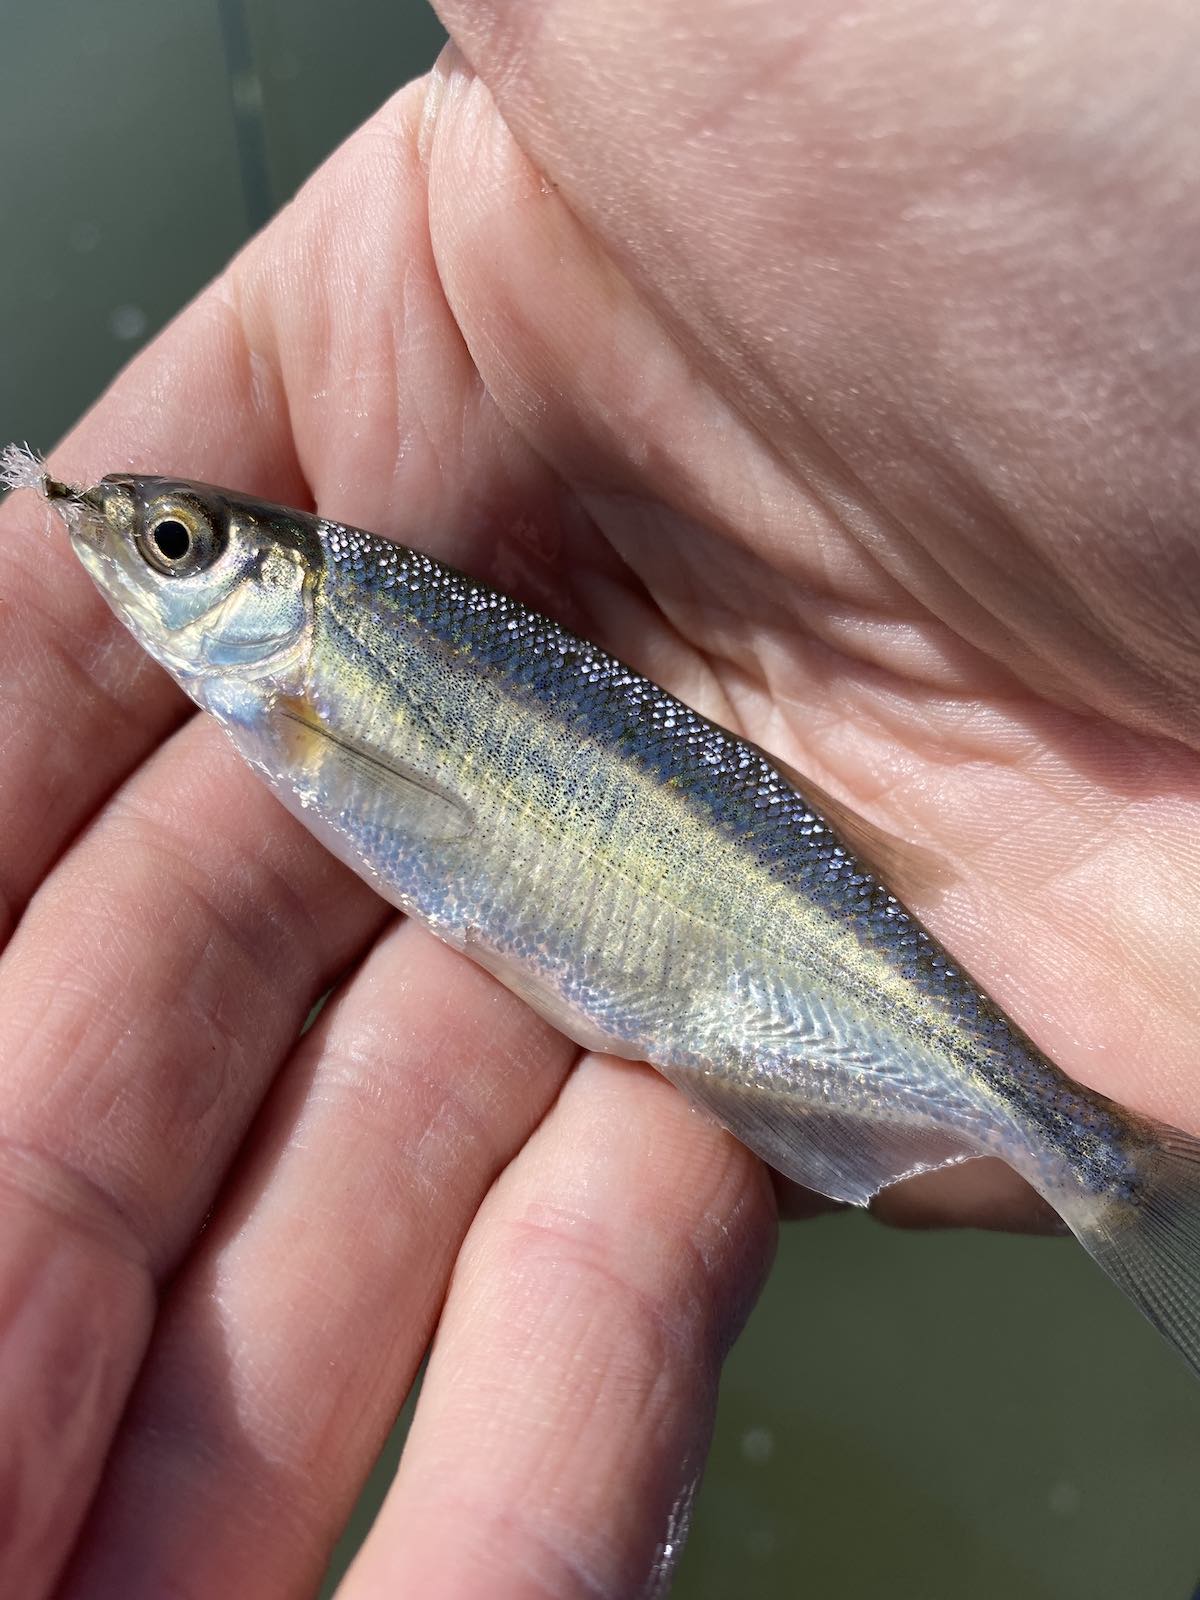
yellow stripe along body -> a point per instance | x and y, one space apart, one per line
655 886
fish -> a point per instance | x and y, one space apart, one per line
655 886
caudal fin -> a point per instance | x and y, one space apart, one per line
1150 1244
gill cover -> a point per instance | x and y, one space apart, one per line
210 585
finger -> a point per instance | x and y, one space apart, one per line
570 1392
394 428
153 986
324 1271
80 703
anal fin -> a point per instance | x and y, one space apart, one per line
839 1153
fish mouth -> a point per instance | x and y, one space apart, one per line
104 506
53 489
82 512
97 520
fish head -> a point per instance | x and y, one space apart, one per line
217 588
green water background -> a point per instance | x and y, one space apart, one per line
943 1417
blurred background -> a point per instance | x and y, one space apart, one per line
946 1417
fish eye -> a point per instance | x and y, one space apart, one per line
177 538
171 538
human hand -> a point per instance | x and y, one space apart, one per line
795 380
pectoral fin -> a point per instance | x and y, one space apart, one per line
356 770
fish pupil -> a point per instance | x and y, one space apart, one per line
171 539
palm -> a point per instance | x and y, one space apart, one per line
622 416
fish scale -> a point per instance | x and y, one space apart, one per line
648 881
697 774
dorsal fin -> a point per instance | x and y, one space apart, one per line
913 873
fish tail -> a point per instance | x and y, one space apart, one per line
1149 1241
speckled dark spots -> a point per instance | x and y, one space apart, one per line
722 781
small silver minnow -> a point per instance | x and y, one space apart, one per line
653 885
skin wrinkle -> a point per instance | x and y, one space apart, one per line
1101 826
70 1392
152 1566
197 1448
604 1553
953 756
258 1437
263 388
577 1231
33 1175
627 619
1053 571
452 1118
808 452
315 238
577 1244
920 651
801 637
61 674
872 548
40 1009
60 1229
259 337
262 372
34 728
25 602
1055 752
1023 712
274 905
678 489
689 664
104 1140
446 470
528 1548
938 589
694 357
1099 636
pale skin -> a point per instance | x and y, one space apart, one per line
836 365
